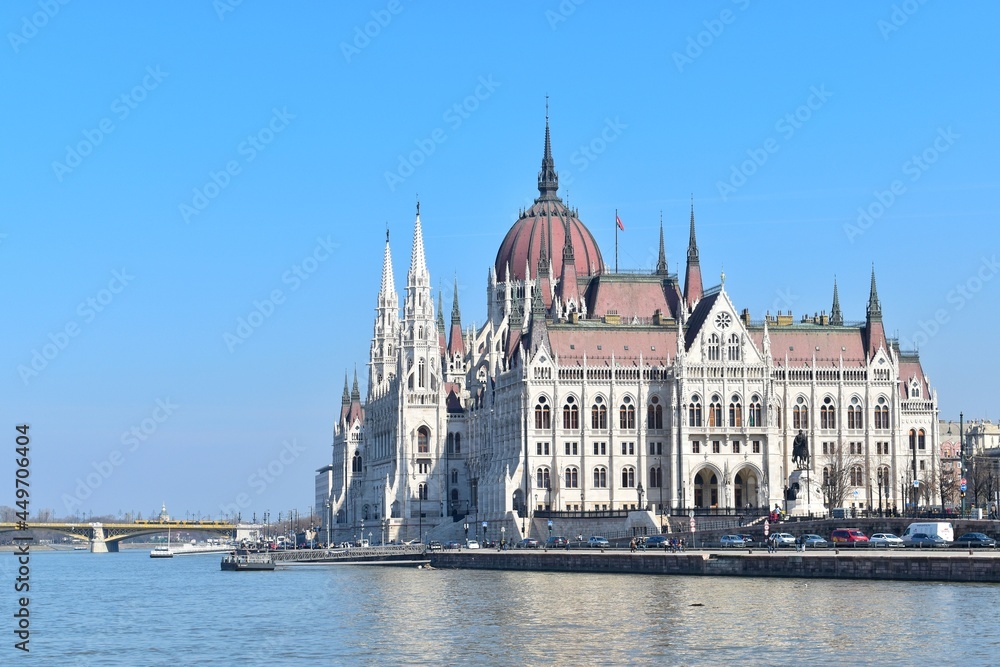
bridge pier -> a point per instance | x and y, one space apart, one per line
98 545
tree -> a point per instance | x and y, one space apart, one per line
948 483
840 478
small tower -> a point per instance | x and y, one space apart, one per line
692 279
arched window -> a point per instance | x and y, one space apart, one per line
356 462
571 414
921 440
826 476
694 411
422 373
628 477
599 414
543 414
881 413
800 413
828 414
454 476
913 439
572 478
715 411
542 478
454 497
857 476
756 412
654 415
458 443
626 414
423 440
655 477
600 477
422 491
914 389
451 443
734 347
714 348
736 412
855 415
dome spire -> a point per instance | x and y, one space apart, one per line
661 262
836 317
548 179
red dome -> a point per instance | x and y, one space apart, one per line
547 219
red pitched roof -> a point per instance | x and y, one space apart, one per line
571 342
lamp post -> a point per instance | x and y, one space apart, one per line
362 531
329 517
466 532
503 536
485 528
385 525
961 453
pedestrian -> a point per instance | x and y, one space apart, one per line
631 545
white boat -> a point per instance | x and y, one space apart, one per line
163 552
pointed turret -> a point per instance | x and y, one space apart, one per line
456 345
418 263
661 261
548 179
355 390
692 279
442 332
346 398
873 324
836 317
568 287
874 307
382 360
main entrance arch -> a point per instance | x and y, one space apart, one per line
706 488
746 486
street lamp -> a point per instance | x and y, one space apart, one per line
503 536
329 516
385 525
466 532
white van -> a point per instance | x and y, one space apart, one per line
942 529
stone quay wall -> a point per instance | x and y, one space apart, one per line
979 567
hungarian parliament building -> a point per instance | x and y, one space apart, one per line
588 392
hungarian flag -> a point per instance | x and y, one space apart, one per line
619 221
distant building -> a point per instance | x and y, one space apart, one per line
591 391
982 463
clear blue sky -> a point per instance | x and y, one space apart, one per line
115 115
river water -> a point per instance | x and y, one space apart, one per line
127 609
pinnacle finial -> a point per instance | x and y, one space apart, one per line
874 307
456 313
692 239
355 392
548 179
661 262
836 317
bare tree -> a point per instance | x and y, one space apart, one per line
948 483
841 476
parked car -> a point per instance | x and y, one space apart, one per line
657 542
556 542
528 543
434 546
454 544
814 541
783 539
597 542
921 540
732 541
974 540
472 544
747 539
848 536
887 540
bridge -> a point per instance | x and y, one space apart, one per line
107 537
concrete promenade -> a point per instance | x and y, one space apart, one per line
953 565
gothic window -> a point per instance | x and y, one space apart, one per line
881 413
458 443
713 348
921 440
826 476
756 413
628 477
855 416
828 414
654 415
422 491
800 414
626 414
913 439
422 374
914 390
599 414
882 476
543 414
356 462
735 412
542 478
694 411
600 477
655 477
451 443
715 411
857 476
423 440
572 478
571 414
734 347
454 476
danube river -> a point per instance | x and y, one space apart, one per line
126 609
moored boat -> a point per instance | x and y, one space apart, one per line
237 562
161 552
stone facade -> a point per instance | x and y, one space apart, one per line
589 391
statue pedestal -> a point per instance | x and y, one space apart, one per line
808 498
